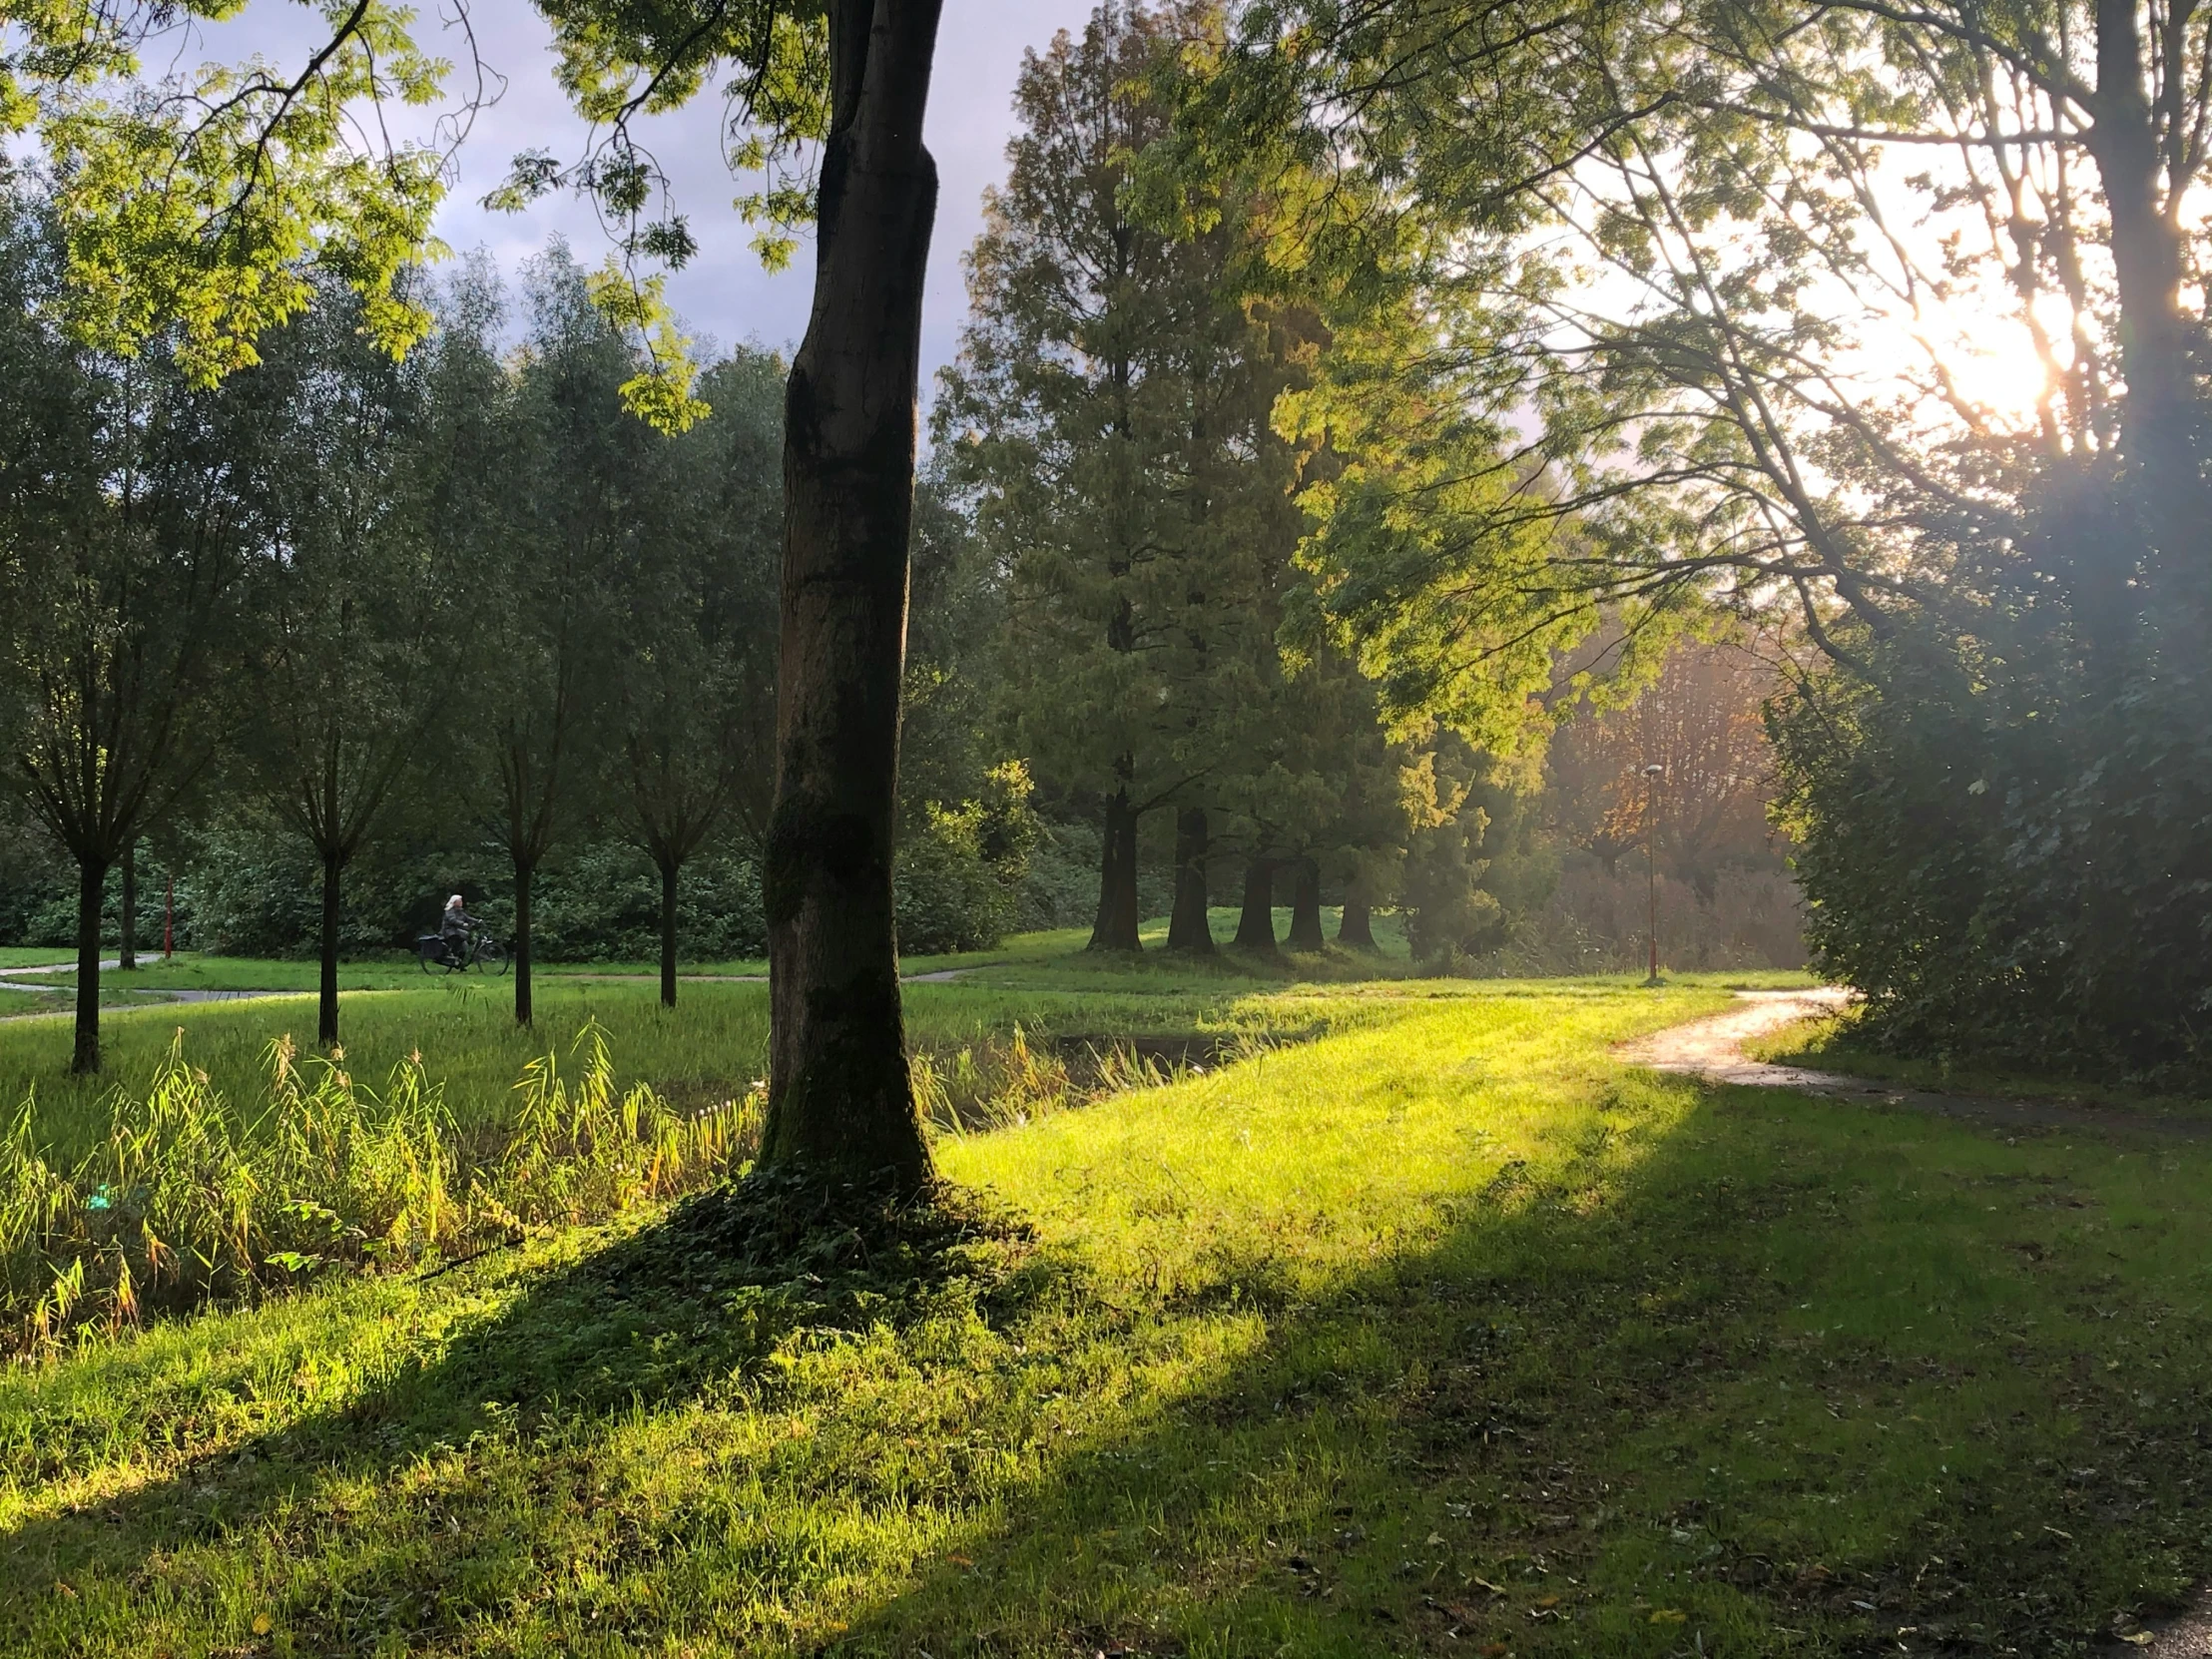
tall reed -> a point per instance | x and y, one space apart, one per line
187 1201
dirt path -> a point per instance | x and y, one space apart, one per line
1713 1048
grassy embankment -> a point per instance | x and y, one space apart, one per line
1443 1332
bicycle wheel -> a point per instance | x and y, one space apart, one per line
492 957
434 957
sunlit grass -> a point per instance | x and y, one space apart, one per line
1441 1331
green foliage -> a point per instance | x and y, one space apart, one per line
2004 844
1475 878
960 873
195 206
646 57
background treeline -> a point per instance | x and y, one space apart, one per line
346 633
459 623
1139 429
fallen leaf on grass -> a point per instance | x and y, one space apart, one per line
1494 1590
263 1624
2140 1638
1669 1615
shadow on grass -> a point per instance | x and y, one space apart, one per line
1512 1435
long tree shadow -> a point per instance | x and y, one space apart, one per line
700 1300
1532 1429
1515 1442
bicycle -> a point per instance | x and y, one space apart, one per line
482 951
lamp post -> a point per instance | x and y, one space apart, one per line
1652 774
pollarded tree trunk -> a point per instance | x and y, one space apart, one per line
668 872
1306 933
92 894
840 1099
1187 926
1116 925
326 1016
523 875
126 956
1256 922
1356 927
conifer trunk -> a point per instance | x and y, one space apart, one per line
524 872
92 894
1256 921
840 1098
1116 925
1187 926
326 1014
668 872
126 956
1356 927
1306 933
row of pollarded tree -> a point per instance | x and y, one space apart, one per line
465 585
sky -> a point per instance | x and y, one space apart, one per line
723 294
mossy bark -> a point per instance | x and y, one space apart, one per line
1187 926
840 1099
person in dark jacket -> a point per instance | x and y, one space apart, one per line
456 930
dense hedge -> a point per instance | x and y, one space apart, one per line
2005 838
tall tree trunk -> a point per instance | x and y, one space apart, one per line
92 895
1116 926
1187 924
840 1098
1256 921
523 875
2162 419
126 956
668 872
1356 927
1306 933
2148 249
326 1016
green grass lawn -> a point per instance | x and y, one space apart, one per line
1439 1333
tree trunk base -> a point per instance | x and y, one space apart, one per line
1256 920
1116 926
1188 928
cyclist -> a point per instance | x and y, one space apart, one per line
456 930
